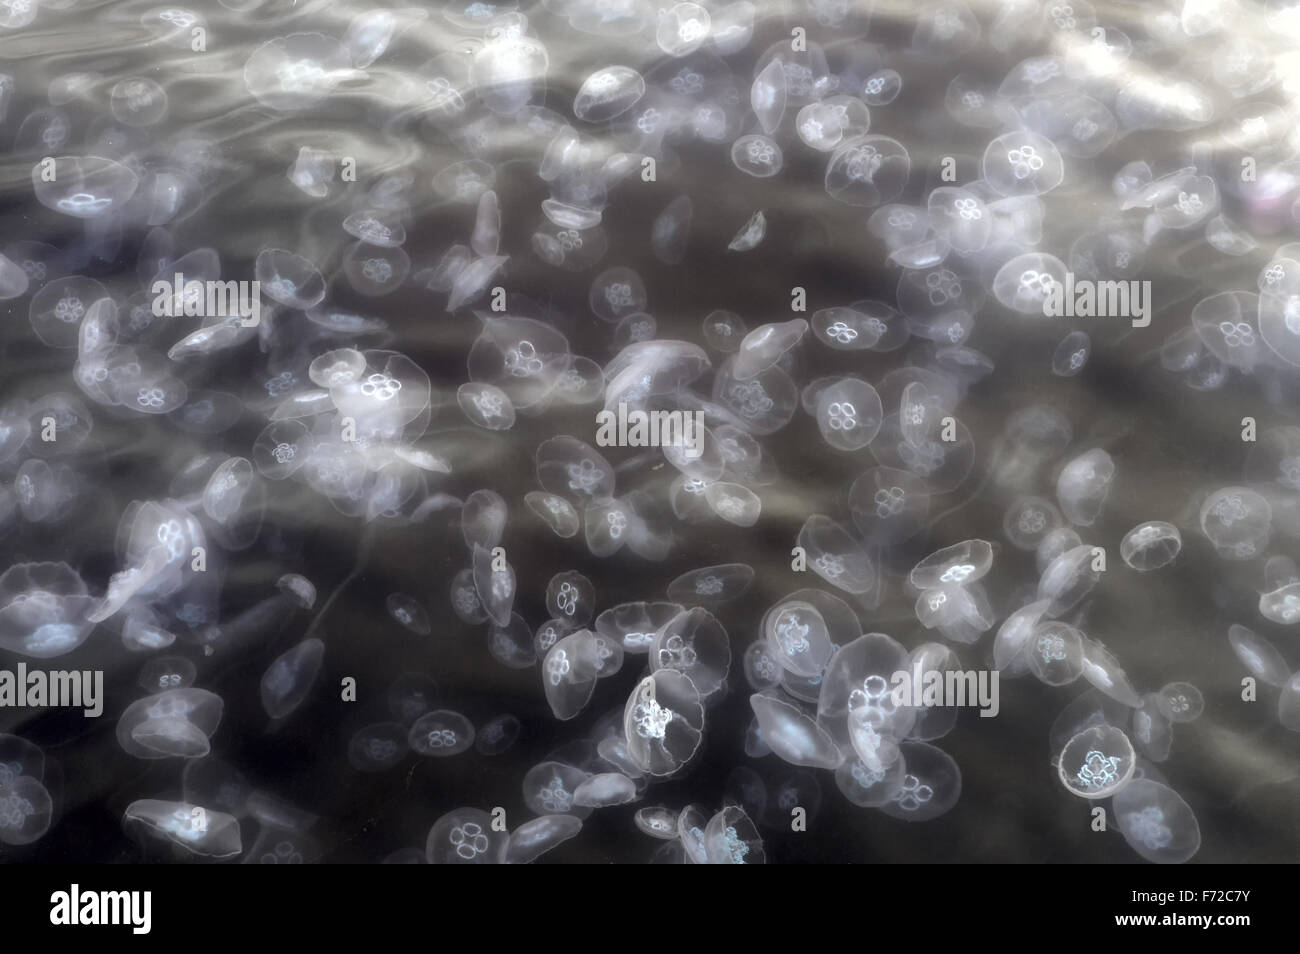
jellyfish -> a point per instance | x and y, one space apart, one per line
466 836
1156 822
440 733
289 678
534 838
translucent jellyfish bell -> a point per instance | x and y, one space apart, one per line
962 564
172 723
663 722
534 838
44 609
466 836
836 557
849 414
26 810
440 734
1022 163
407 611
694 643
569 674
636 625
867 171
792 735
296 71
289 279
378 747
571 468
1068 579
84 186
1055 653
765 345
930 787
1097 763
1151 545
289 678
1026 283
608 93
1083 485
798 637
731 838
1156 822
888 506
1281 605
1237 521
192 828
960 217
1028 520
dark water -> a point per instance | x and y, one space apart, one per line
1173 438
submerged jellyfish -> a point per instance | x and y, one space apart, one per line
1156 822
1097 762
1151 545
83 186
440 734
289 678
663 722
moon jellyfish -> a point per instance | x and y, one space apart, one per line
836 557
378 747
171 723
663 722
608 93
534 838
657 822
605 790
930 787
849 414
440 734
711 584
1151 545
1083 485
1281 605
636 625
408 611
43 610
289 279
764 346
962 563
466 836
569 673
486 405
1022 163
556 512
494 581
694 643
289 678
1029 520
568 467
731 838
1055 653
571 598
1288 704
83 186
497 735
549 786
1180 702
1237 521
1156 822
296 71
192 829
1097 763
26 810
1103 670
867 171
793 736
888 506
797 637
